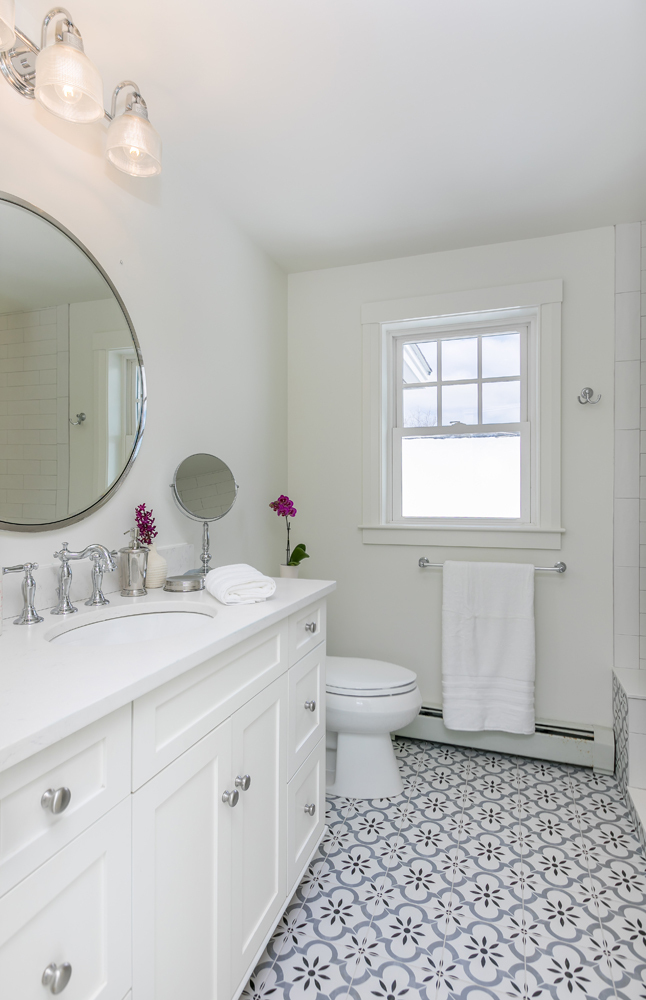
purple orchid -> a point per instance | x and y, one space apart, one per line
145 524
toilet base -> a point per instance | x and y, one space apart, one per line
366 767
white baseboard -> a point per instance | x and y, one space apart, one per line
592 748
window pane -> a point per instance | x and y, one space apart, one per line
460 476
459 359
501 402
501 355
459 404
420 407
420 362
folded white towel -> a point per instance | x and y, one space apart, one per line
488 646
239 584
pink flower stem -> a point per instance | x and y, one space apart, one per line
288 552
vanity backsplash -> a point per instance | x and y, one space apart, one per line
180 559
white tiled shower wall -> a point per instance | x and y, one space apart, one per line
34 430
630 418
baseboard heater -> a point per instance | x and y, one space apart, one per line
587 747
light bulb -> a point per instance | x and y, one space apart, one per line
68 94
134 152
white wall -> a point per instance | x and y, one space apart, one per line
384 605
209 311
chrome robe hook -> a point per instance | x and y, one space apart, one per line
587 394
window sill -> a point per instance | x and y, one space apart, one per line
471 536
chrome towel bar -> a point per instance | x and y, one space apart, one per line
558 567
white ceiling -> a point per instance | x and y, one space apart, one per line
340 131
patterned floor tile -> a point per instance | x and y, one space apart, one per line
490 876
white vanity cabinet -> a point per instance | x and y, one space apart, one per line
193 813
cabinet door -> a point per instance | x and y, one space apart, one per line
181 862
74 910
306 630
258 827
306 811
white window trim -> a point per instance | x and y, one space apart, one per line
539 302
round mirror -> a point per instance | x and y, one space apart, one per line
72 385
204 487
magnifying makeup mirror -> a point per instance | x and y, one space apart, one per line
205 490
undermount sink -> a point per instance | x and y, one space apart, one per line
137 627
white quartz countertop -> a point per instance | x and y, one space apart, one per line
632 681
49 690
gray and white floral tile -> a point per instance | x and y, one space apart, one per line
490 876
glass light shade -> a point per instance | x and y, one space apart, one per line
134 146
7 24
68 85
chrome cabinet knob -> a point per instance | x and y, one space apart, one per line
310 627
310 706
310 809
231 798
56 800
57 976
243 781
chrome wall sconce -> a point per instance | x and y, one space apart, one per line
62 79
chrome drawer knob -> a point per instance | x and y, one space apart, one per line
57 976
243 781
231 798
310 627
310 706
57 801
310 809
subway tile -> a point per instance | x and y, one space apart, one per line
626 600
11 423
47 421
637 760
22 406
32 496
627 326
9 338
642 307
47 406
627 464
637 715
48 468
23 466
30 319
627 257
643 225
10 511
63 373
642 602
47 316
642 535
45 452
62 420
39 363
626 532
62 328
33 378
3 323
11 452
627 394
48 377
40 483
11 482
41 333
48 436
41 512
642 647
20 392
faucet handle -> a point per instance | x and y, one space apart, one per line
63 552
28 615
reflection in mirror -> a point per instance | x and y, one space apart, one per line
205 489
72 391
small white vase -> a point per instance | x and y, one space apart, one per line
290 572
157 570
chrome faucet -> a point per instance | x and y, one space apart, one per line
29 615
102 557
99 567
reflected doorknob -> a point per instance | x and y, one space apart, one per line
57 976
310 809
56 800
231 798
310 706
243 781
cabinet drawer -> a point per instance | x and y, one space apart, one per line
306 630
306 706
306 789
94 764
75 909
176 715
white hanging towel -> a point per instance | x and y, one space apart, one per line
488 646
239 584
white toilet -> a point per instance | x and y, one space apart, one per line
367 700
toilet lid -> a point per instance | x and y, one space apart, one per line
352 675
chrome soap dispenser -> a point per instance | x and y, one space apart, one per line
133 562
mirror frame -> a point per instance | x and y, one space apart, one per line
103 499
185 510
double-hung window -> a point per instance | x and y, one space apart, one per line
461 435
462 410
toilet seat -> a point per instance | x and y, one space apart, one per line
355 677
